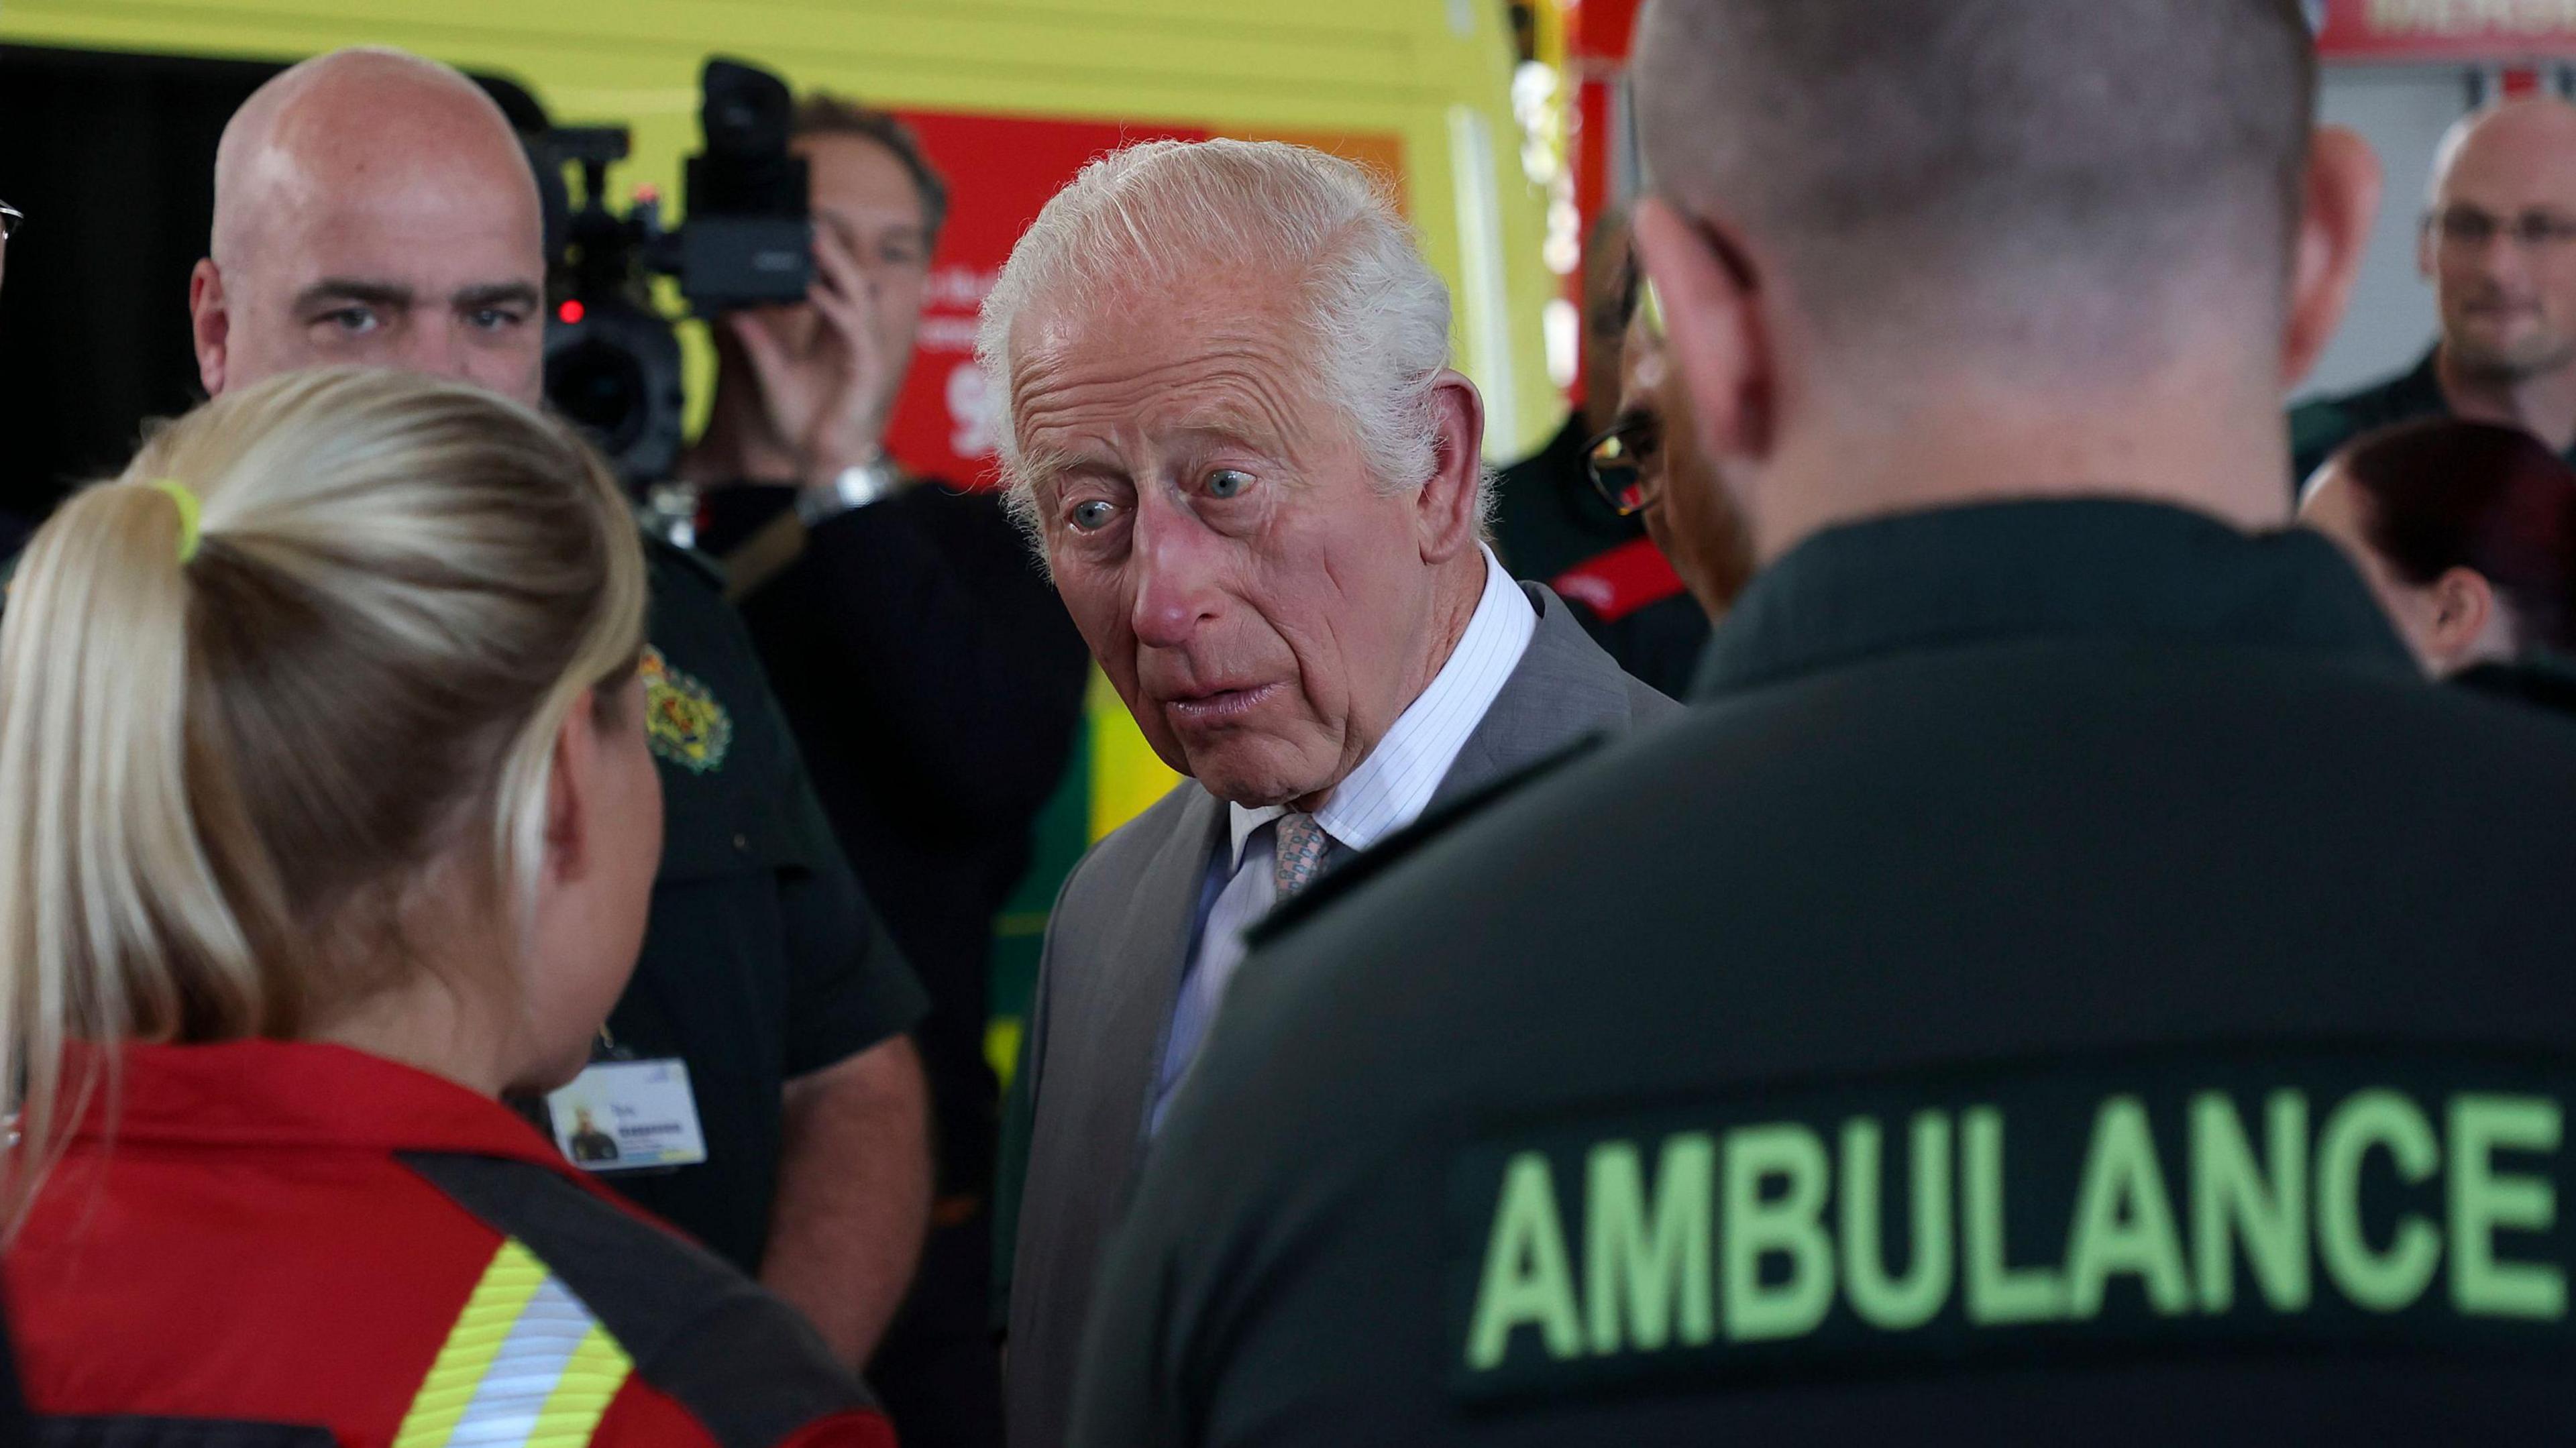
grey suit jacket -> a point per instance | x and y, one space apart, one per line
1115 951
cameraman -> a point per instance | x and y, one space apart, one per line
929 671
373 208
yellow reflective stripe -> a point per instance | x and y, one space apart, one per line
512 1277
573 1410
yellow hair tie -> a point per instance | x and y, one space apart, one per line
189 510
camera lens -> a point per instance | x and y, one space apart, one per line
614 372
601 388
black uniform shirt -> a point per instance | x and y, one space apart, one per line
924 661
2069 980
2319 428
762 961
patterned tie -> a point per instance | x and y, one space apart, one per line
1297 854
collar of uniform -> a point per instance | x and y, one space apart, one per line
1396 781
2418 393
263 1093
2099 568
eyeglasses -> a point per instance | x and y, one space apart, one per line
2469 228
11 218
1622 462
1650 307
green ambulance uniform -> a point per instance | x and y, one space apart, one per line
2319 429
2067 981
762 961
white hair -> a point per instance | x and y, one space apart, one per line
1376 316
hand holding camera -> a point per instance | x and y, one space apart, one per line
827 371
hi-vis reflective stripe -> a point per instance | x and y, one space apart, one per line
526 1366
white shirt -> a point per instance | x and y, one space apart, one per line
1388 791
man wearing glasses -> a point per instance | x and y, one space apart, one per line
1551 525
2500 247
1646 466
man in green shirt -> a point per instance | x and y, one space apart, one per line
2068 980
2499 246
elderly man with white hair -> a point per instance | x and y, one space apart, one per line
1233 432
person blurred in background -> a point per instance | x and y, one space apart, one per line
1551 524
932 677
375 208
2499 245
1232 426
1648 464
327 817
2466 531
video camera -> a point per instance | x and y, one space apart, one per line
612 359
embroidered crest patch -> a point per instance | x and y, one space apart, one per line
682 720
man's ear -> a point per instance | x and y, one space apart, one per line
1714 334
210 322
1445 506
2338 205
2464 607
571 787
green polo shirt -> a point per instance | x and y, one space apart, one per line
2068 979
762 961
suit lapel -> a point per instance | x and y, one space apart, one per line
1136 1012
1564 689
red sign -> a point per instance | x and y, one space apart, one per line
1001 172
2445 30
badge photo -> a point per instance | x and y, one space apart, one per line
628 1116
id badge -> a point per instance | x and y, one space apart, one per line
628 1116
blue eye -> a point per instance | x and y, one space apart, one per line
1093 516
1227 483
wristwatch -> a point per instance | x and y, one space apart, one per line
872 481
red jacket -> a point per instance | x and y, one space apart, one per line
292 1233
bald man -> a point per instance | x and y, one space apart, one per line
373 208
2499 245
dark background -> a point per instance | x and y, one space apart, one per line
112 157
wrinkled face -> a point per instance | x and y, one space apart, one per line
426 263
2508 301
1263 609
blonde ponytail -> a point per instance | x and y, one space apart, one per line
230 742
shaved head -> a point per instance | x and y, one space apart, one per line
2508 304
2532 139
372 207
2045 186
